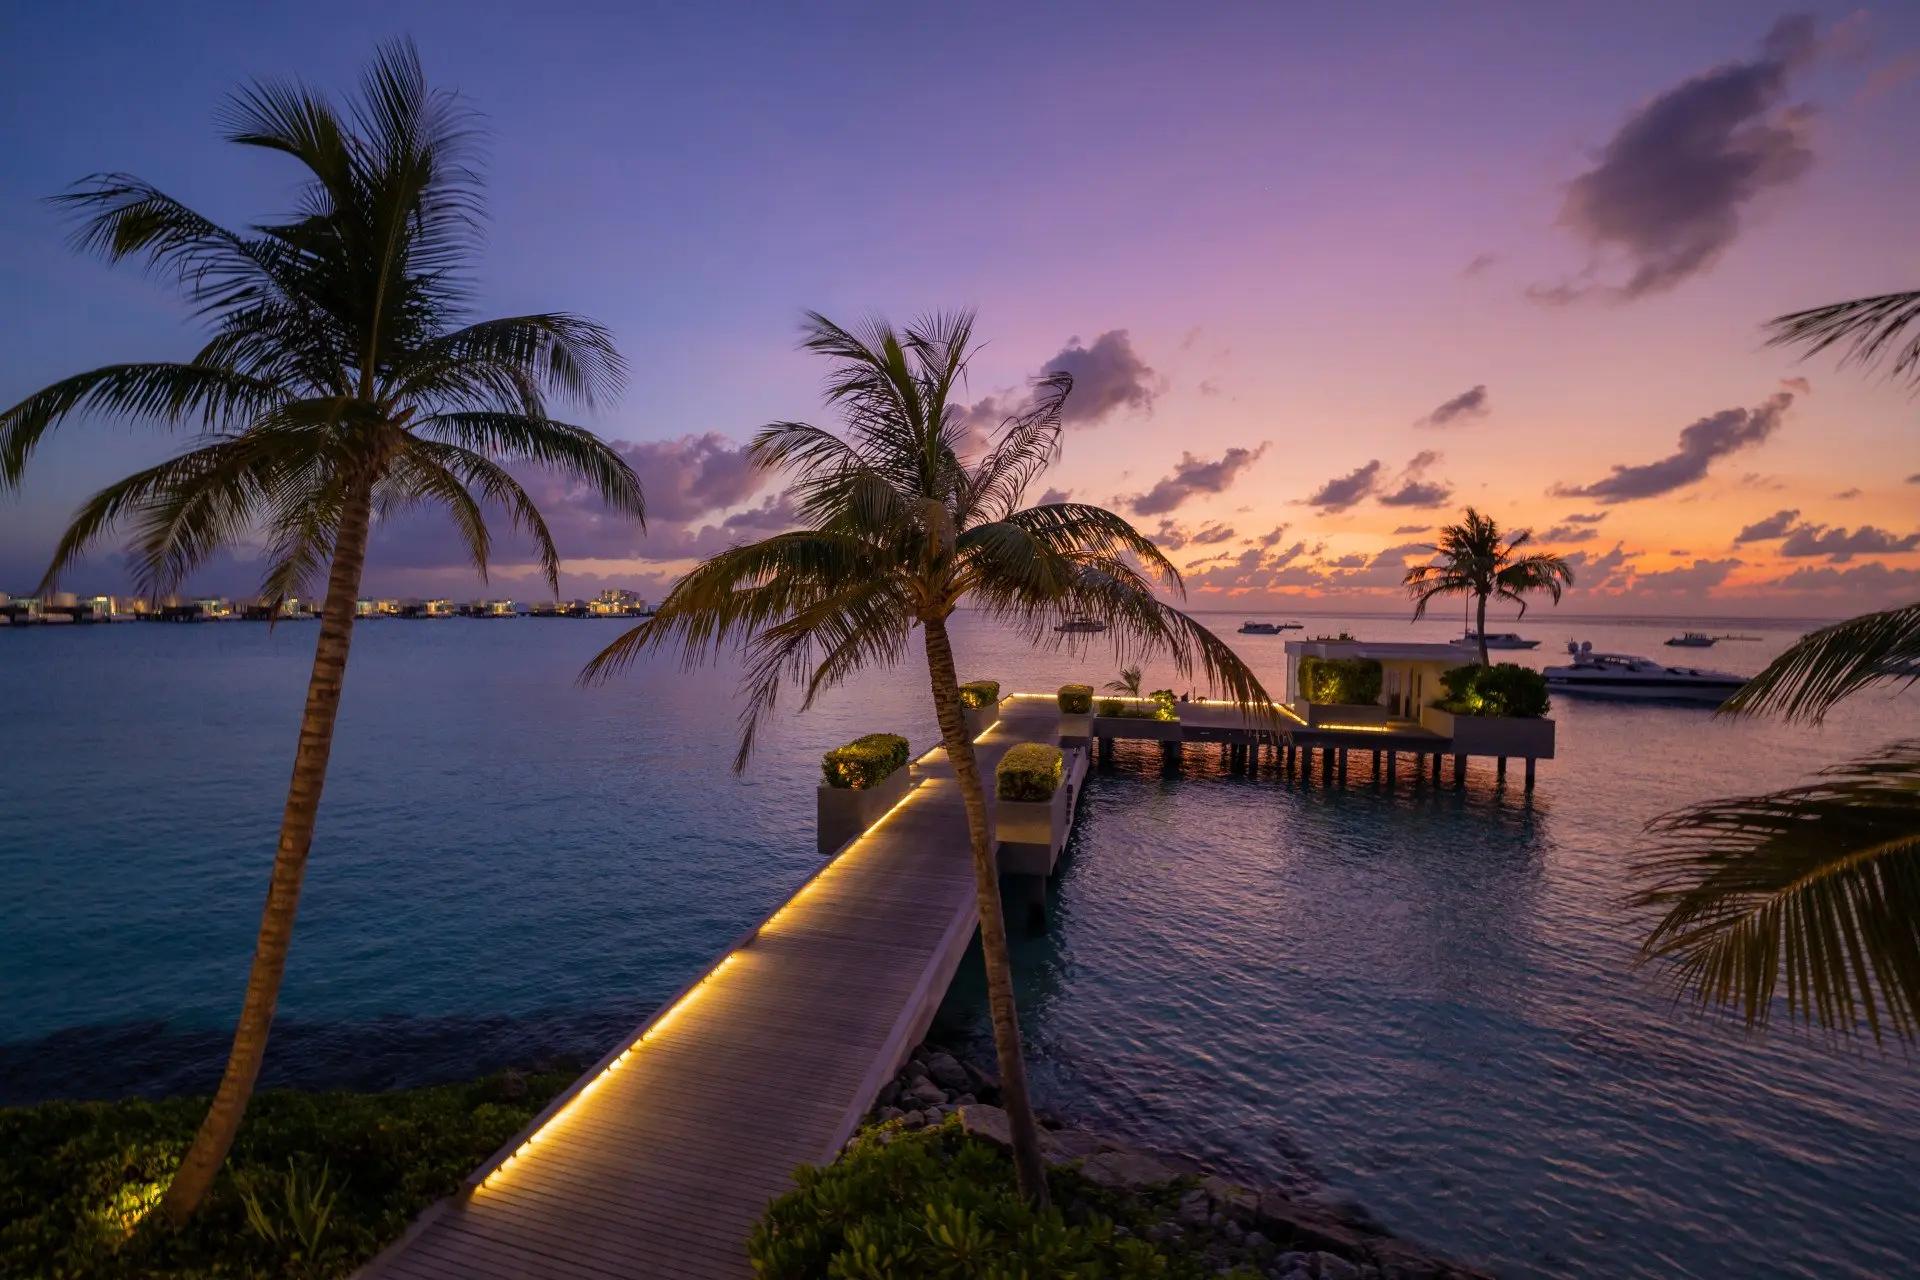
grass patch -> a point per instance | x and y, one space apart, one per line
78 1179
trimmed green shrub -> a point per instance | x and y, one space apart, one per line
1154 710
865 762
1112 707
939 1203
1504 689
1340 682
975 694
1030 771
78 1179
1076 699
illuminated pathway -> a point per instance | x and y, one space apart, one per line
660 1160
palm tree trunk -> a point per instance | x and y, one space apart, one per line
209 1150
1028 1166
1481 597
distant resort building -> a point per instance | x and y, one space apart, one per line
376 608
616 602
1409 672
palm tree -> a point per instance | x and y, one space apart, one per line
339 385
1477 561
1821 882
901 527
1128 683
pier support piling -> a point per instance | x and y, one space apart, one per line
1393 765
1343 766
1530 764
1459 771
1500 769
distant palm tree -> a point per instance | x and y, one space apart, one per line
1821 882
901 527
1474 559
338 385
1128 683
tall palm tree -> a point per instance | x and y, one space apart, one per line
340 384
1476 560
901 527
1819 882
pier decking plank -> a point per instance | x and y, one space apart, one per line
663 1166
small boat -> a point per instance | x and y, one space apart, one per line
1627 677
1082 626
1259 629
1693 640
1499 640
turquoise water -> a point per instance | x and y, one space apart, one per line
1424 999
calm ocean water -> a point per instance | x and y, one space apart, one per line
1424 999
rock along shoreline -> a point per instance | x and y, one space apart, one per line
1271 1233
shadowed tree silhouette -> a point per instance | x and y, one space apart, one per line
342 382
901 528
1474 559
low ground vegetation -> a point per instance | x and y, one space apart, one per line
1503 689
1340 682
316 1184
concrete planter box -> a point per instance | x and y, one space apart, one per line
980 719
1491 735
1319 715
1031 833
844 813
1076 727
1136 727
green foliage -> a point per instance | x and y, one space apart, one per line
1119 709
1504 689
1128 683
1076 699
939 1204
1340 682
1030 771
78 1179
1112 707
975 694
865 762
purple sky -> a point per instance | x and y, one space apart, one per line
1323 275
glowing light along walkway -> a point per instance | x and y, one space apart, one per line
660 1159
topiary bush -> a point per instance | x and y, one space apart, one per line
865 762
975 694
1075 699
1112 707
937 1203
1340 682
1030 771
1504 689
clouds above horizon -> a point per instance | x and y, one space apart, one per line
1466 407
1701 444
1669 190
1193 476
1109 379
1410 488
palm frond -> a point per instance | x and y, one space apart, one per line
573 452
1820 669
1816 888
1869 327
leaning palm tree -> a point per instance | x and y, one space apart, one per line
901 528
339 385
1819 883
1128 683
1476 560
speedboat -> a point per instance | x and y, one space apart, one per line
1623 676
1499 640
1692 640
1082 625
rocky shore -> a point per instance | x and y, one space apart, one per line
1231 1229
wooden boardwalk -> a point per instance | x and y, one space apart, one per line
659 1161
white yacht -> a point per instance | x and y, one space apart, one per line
1499 640
1627 677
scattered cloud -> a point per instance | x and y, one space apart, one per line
1701 575
1599 572
1465 407
1914 478
1887 77
1870 582
1774 526
1670 189
1174 536
1839 546
1406 529
692 476
1272 536
1208 387
1564 533
1413 489
1701 444
1053 497
1586 517
1344 492
1192 476
1846 495
1480 262
1109 377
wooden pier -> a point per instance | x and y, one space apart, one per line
659 1160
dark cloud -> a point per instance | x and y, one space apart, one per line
1839 546
1701 575
1774 526
1914 478
1396 557
1480 263
692 476
1413 489
1053 497
1590 517
1711 438
1862 582
1406 529
1670 188
1343 492
1272 536
1173 536
1597 572
1846 495
1108 378
1565 533
1191 476
1465 407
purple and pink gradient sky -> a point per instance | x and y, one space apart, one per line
1324 273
